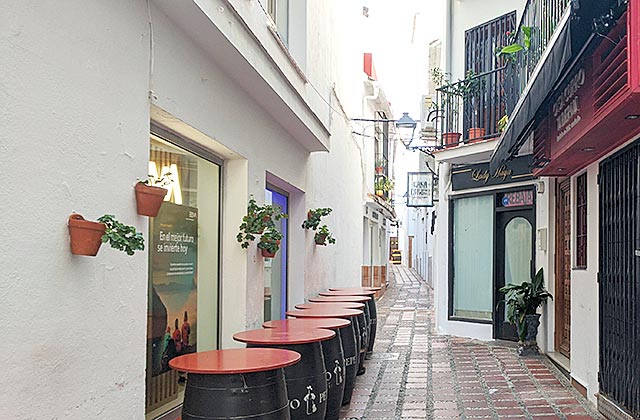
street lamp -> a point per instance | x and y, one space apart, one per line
406 129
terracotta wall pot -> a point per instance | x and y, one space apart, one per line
149 199
86 236
451 138
379 169
267 254
475 133
379 193
321 240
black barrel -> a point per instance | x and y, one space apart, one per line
364 341
306 381
373 313
333 354
351 350
258 395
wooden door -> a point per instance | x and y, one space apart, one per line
563 268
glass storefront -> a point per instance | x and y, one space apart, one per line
183 269
473 257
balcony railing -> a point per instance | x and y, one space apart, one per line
537 24
475 106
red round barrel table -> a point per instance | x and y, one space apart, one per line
350 339
332 351
306 381
363 321
373 313
349 299
236 383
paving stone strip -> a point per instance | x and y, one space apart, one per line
416 374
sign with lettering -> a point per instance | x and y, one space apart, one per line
476 176
516 199
420 189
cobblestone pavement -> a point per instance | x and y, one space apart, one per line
415 374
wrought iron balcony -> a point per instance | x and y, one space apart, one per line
474 107
478 106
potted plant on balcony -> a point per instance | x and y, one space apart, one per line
150 194
87 236
323 235
380 164
269 242
522 302
446 105
257 220
469 89
383 185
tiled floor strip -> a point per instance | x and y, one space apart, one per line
415 374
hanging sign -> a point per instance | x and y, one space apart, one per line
476 176
420 189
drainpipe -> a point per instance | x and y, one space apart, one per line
376 91
448 35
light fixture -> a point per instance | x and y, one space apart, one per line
588 149
406 128
632 117
561 169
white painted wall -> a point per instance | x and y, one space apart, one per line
584 292
75 135
76 111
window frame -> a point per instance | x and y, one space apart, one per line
581 237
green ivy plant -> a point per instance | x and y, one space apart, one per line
257 220
323 235
120 236
524 299
314 216
313 221
153 181
270 241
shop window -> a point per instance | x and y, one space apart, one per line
581 221
473 258
183 270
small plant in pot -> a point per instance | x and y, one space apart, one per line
380 164
257 220
87 236
522 302
269 243
150 194
313 222
323 235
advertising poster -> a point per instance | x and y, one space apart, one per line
173 256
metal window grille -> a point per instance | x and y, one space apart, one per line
482 42
619 282
581 221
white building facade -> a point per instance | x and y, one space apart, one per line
236 99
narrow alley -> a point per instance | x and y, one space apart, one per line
416 374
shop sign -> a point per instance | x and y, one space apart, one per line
475 176
420 189
516 198
566 107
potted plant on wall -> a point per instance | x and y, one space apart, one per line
522 302
87 236
261 220
323 235
257 220
150 194
269 243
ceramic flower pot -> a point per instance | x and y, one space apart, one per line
451 139
86 236
267 254
321 239
476 133
149 199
